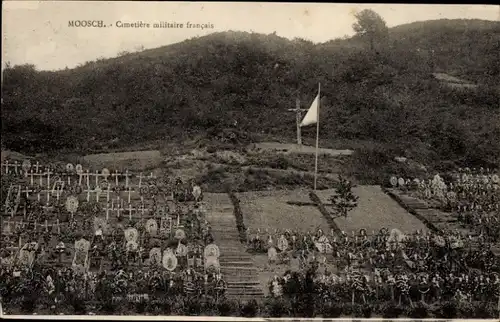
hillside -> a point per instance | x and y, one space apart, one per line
203 85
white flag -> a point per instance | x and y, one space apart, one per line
312 114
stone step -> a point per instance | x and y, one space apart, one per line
239 279
235 257
235 263
244 292
242 268
227 238
239 275
243 283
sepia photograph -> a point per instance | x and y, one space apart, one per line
250 160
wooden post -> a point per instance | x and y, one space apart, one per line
130 209
88 193
126 178
107 193
116 175
37 166
140 180
96 178
48 178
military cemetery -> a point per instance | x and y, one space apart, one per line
325 203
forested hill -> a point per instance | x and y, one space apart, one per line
385 94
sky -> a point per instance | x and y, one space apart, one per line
37 32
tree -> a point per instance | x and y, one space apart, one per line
344 199
370 25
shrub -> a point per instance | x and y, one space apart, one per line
193 307
391 311
420 311
332 310
28 304
447 310
277 308
366 311
228 308
250 309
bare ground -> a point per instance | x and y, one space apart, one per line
287 148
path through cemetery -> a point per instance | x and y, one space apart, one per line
236 264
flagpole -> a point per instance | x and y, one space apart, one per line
317 139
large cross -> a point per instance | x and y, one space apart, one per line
298 111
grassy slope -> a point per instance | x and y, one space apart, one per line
202 85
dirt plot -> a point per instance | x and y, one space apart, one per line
132 161
295 148
269 209
376 210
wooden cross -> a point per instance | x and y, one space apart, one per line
96 178
41 178
118 209
298 114
88 191
127 175
97 191
130 209
27 191
16 165
107 211
107 192
143 209
116 175
58 188
47 207
48 196
37 166
48 178
6 165
129 191
140 180
31 177
87 174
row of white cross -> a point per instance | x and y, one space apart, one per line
57 191
81 176
7 224
85 177
23 224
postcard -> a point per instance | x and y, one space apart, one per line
250 161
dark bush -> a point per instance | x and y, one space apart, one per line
447 310
420 311
391 311
250 309
332 310
277 308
